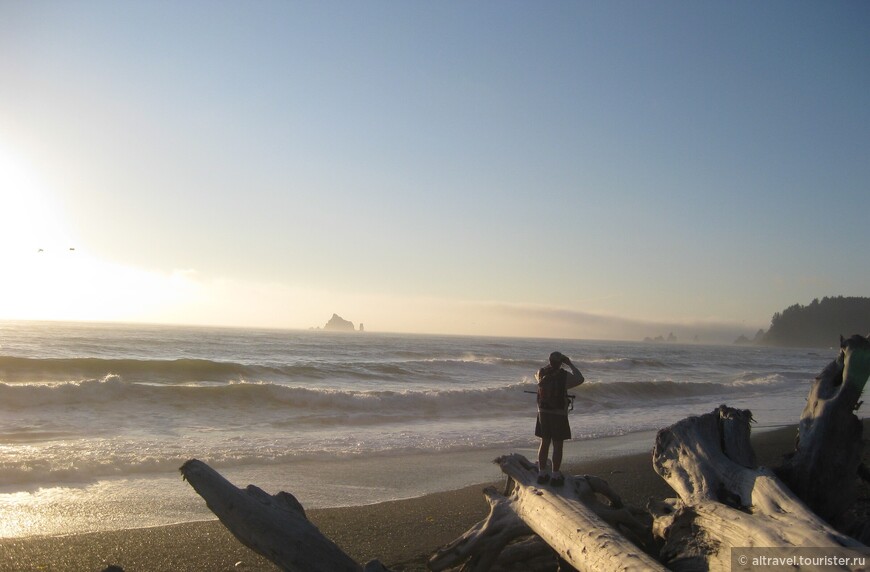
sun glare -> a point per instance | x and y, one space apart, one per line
30 220
47 276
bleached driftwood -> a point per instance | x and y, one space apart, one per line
580 528
526 555
274 526
570 519
725 501
823 469
482 544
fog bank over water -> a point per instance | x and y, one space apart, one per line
567 323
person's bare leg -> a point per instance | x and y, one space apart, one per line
557 454
543 453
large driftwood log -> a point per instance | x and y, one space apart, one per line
585 532
823 469
274 526
571 519
725 501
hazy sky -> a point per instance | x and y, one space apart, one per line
568 169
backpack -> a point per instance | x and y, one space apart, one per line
552 393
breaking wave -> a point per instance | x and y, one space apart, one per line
262 396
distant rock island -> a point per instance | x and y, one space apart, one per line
338 324
659 339
818 325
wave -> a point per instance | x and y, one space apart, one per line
77 467
22 435
359 406
625 363
15 370
126 458
755 379
31 370
83 430
535 364
243 394
634 393
22 369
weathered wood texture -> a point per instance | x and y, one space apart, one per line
571 519
274 526
725 501
483 543
823 469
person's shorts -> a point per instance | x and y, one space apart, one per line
553 426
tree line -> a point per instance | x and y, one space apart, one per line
819 324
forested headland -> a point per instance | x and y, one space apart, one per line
819 324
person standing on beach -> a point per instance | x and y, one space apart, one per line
552 425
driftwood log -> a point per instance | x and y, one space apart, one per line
725 500
585 532
824 467
274 526
485 542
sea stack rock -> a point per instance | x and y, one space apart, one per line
338 324
361 327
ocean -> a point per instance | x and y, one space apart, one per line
95 419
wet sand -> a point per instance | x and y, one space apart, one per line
402 534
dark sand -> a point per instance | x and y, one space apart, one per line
402 534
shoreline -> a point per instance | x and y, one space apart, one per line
163 499
400 533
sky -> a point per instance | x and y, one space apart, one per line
605 170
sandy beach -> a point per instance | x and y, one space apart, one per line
402 534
